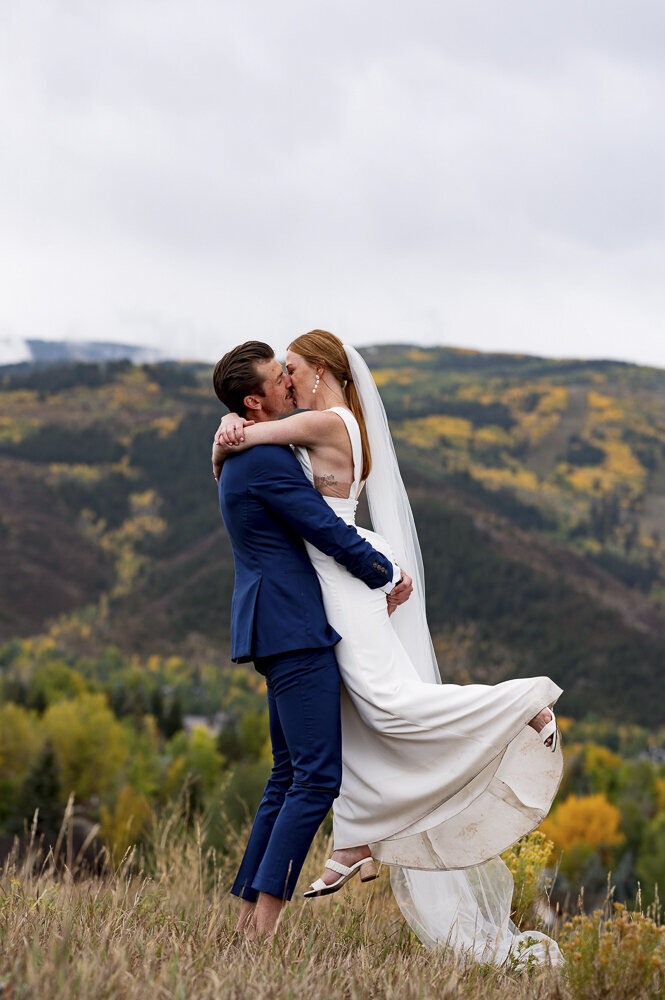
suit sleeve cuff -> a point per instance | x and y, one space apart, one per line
397 575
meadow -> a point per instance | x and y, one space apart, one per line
161 924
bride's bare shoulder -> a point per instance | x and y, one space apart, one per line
317 419
317 428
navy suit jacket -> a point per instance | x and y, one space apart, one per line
268 507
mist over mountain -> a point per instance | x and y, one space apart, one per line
16 351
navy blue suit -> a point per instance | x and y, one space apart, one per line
278 621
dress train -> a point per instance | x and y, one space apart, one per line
469 912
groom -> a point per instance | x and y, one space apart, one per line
278 621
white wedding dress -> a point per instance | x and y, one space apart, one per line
436 777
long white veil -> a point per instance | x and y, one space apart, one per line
467 910
391 514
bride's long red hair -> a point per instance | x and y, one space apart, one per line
322 348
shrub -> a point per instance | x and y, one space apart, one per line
124 824
614 953
527 861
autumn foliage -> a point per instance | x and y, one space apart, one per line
590 820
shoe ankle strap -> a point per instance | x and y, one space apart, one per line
337 867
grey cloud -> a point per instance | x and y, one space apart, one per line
446 168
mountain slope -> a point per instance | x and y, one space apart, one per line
538 489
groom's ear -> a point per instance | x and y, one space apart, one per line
252 402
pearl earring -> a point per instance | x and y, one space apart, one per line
316 384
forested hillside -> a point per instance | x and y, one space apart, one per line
538 488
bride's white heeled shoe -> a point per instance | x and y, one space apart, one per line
366 867
550 729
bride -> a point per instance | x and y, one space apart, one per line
438 779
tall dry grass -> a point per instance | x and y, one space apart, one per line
161 925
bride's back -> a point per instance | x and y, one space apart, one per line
333 466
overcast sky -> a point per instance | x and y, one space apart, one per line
192 174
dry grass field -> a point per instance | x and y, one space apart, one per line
168 935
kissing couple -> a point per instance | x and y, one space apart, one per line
435 780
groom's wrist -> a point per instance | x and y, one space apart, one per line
397 576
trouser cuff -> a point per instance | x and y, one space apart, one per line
245 891
275 888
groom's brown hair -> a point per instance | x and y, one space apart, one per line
235 375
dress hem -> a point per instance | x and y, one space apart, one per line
395 835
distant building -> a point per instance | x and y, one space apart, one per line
214 724
654 754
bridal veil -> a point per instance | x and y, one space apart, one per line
468 910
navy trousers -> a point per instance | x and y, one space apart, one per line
305 730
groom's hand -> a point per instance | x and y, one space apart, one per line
217 462
401 593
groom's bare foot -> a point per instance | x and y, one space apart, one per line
246 912
540 721
347 857
264 918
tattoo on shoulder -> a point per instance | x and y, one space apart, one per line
325 480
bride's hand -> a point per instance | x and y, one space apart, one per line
231 430
401 593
